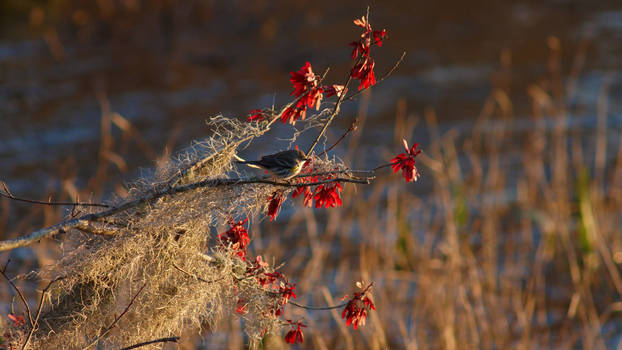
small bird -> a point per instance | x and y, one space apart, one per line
283 165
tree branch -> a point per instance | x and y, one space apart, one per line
21 296
41 303
350 129
161 340
317 308
83 221
335 112
8 194
116 320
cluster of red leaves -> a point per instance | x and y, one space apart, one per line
327 195
256 115
308 92
295 334
274 203
307 85
237 237
274 282
279 288
406 162
357 308
364 69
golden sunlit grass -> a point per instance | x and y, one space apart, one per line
515 242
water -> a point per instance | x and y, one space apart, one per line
173 68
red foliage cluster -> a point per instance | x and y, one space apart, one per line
237 236
327 195
309 93
241 309
274 282
364 69
274 204
295 334
256 115
307 88
406 162
17 320
356 309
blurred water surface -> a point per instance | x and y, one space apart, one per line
170 65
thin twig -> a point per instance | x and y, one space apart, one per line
41 303
161 340
382 166
197 277
9 195
21 296
6 265
335 111
350 129
318 308
116 320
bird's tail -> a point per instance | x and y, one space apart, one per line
250 163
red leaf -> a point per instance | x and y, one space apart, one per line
406 162
256 115
237 236
275 201
18 321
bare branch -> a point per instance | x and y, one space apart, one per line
317 308
161 340
21 296
41 303
197 277
83 221
116 320
8 194
350 129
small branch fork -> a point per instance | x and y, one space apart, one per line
116 320
342 97
33 322
40 308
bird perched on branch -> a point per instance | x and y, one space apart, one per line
283 165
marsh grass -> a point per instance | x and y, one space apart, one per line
513 241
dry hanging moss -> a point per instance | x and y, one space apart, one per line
164 254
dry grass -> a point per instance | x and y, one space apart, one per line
516 242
